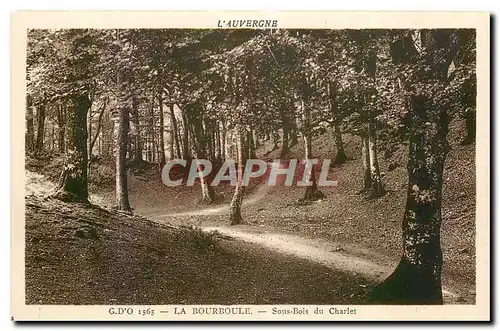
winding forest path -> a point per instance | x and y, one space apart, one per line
350 258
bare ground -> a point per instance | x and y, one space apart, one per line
83 254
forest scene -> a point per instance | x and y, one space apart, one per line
392 110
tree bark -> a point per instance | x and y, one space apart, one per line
73 183
137 157
175 130
312 192
365 155
122 199
340 156
376 188
61 134
185 143
30 129
162 157
417 278
239 190
40 115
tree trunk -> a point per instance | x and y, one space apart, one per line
122 199
365 155
40 115
239 190
137 154
417 278
185 144
286 132
340 156
162 157
175 129
73 185
251 145
30 129
376 188
61 117
312 192
470 126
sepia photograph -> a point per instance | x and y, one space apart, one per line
252 168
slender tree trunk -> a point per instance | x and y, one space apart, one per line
30 129
224 152
251 145
40 114
239 190
61 117
89 136
73 184
137 157
365 155
52 137
312 192
376 188
284 139
340 156
417 278
185 144
175 130
162 157
122 199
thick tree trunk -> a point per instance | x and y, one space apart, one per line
417 279
239 190
73 185
376 188
30 129
40 115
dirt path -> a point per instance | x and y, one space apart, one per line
352 259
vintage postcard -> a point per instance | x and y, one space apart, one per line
250 166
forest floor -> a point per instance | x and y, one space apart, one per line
86 254
353 242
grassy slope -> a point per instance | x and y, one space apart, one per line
83 254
